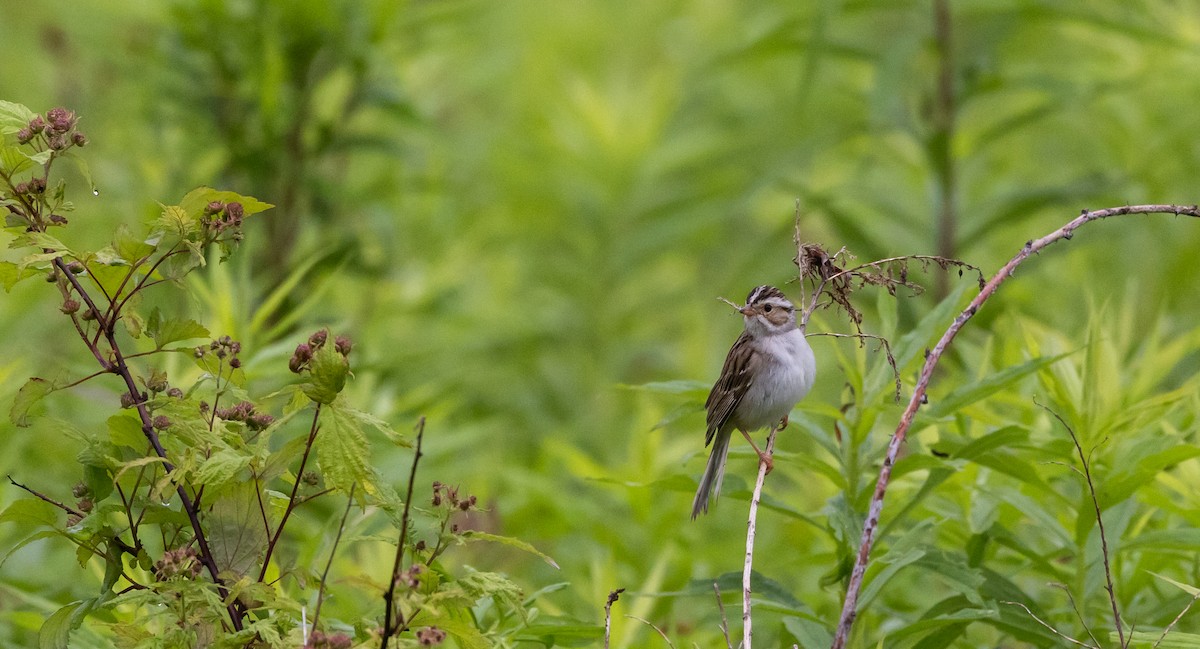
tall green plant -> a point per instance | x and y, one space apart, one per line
188 489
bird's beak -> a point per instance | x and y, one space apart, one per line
747 310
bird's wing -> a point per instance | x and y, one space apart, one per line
736 377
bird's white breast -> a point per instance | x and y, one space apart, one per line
786 375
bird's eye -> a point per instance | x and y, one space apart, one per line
767 309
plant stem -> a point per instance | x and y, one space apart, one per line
850 605
751 524
389 596
122 369
312 435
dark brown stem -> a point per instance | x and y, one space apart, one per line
122 369
332 551
942 146
850 606
1087 475
389 596
312 435
123 546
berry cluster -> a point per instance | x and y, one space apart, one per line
245 413
220 216
447 495
56 130
430 636
180 562
223 347
303 355
322 640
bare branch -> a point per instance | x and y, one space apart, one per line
1052 629
883 344
1031 247
647 623
613 596
1091 487
389 596
751 523
724 620
332 551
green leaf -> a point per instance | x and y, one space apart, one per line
561 632
31 393
235 530
131 248
13 160
10 274
221 466
367 419
45 242
476 535
166 331
671 387
1150 639
989 385
327 374
342 451
14 117
1190 590
196 200
57 628
31 511
125 429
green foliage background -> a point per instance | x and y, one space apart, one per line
518 210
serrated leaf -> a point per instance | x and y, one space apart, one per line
196 200
40 240
472 535
221 467
10 274
139 462
235 530
13 160
367 419
175 219
125 429
14 117
31 511
57 628
30 394
131 248
327 374
342 451
164 331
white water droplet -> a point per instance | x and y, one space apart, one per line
95 192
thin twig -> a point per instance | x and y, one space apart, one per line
1078 613
122 369
613 596
1052 629
724 620
1176 620
332 551
390 594
647 623
1087 474
883 344
312 435
751 523
850 605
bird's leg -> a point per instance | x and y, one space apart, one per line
783 423
762 457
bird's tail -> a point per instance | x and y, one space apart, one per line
714 473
